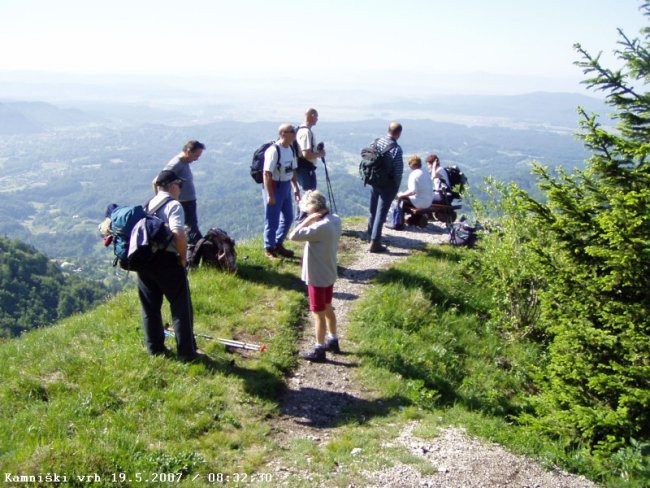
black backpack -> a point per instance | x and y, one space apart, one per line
457 178
216 249
257 165
376 166
304 163
463 234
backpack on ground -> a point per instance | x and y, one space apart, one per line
457 180
257 165
463 234
376 166
136 235
216 249
395 218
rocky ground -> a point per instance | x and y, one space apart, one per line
318 394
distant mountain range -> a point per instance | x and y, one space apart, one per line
35 117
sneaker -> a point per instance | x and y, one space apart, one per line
283 251
332 345
316 355
270 253
375 246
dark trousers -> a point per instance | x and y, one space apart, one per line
380 200
165 277
191 221
306 179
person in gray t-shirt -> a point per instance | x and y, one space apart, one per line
180 164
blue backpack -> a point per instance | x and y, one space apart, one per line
395 219
123 220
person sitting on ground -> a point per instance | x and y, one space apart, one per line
419 192
321 231
440 178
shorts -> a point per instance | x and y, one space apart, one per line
319 297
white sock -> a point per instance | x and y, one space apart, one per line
332 336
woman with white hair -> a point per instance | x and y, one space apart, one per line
320 231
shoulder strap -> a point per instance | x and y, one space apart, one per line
277 150
160 205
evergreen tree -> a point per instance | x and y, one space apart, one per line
596 259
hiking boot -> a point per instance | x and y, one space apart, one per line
316 355
270 253
332 345
375 246
195 356
283 251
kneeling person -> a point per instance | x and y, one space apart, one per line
321 231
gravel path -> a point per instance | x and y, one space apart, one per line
318 394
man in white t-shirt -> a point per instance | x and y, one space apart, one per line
308 154
419 192
279 178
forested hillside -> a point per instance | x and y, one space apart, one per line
34 292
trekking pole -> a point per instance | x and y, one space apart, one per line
330 193
227 342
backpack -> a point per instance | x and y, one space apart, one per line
457 179
304 163
257 165
125 222
376 167
395 218
216 249
462 234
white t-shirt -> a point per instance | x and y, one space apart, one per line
420 182
287 162
439 178
305 138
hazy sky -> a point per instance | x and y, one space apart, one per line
329 39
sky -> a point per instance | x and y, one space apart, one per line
417 45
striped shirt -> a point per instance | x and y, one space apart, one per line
396 154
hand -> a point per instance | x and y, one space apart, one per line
321 154
296 194
271 200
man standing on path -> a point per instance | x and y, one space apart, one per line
308 154
279 178
180 164
321 231
165 275
381 198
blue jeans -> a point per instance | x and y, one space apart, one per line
279 217
380 200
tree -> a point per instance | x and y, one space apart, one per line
596 259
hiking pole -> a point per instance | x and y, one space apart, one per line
330 193
227 342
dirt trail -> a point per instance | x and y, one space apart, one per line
318 394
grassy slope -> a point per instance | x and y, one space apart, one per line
84 396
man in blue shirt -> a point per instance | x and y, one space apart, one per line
381 198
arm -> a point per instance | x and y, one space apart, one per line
180 243
296 188
268 186
303 231
309 154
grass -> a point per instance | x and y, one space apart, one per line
84 396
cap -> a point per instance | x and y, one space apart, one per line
166 176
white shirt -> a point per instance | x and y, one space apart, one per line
439 178
305 138
420 183
287 162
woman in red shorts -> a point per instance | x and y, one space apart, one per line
320 231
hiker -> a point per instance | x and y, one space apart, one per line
279 178
166 277
308 153
440 179
381 198
320 230
180 164
419 193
